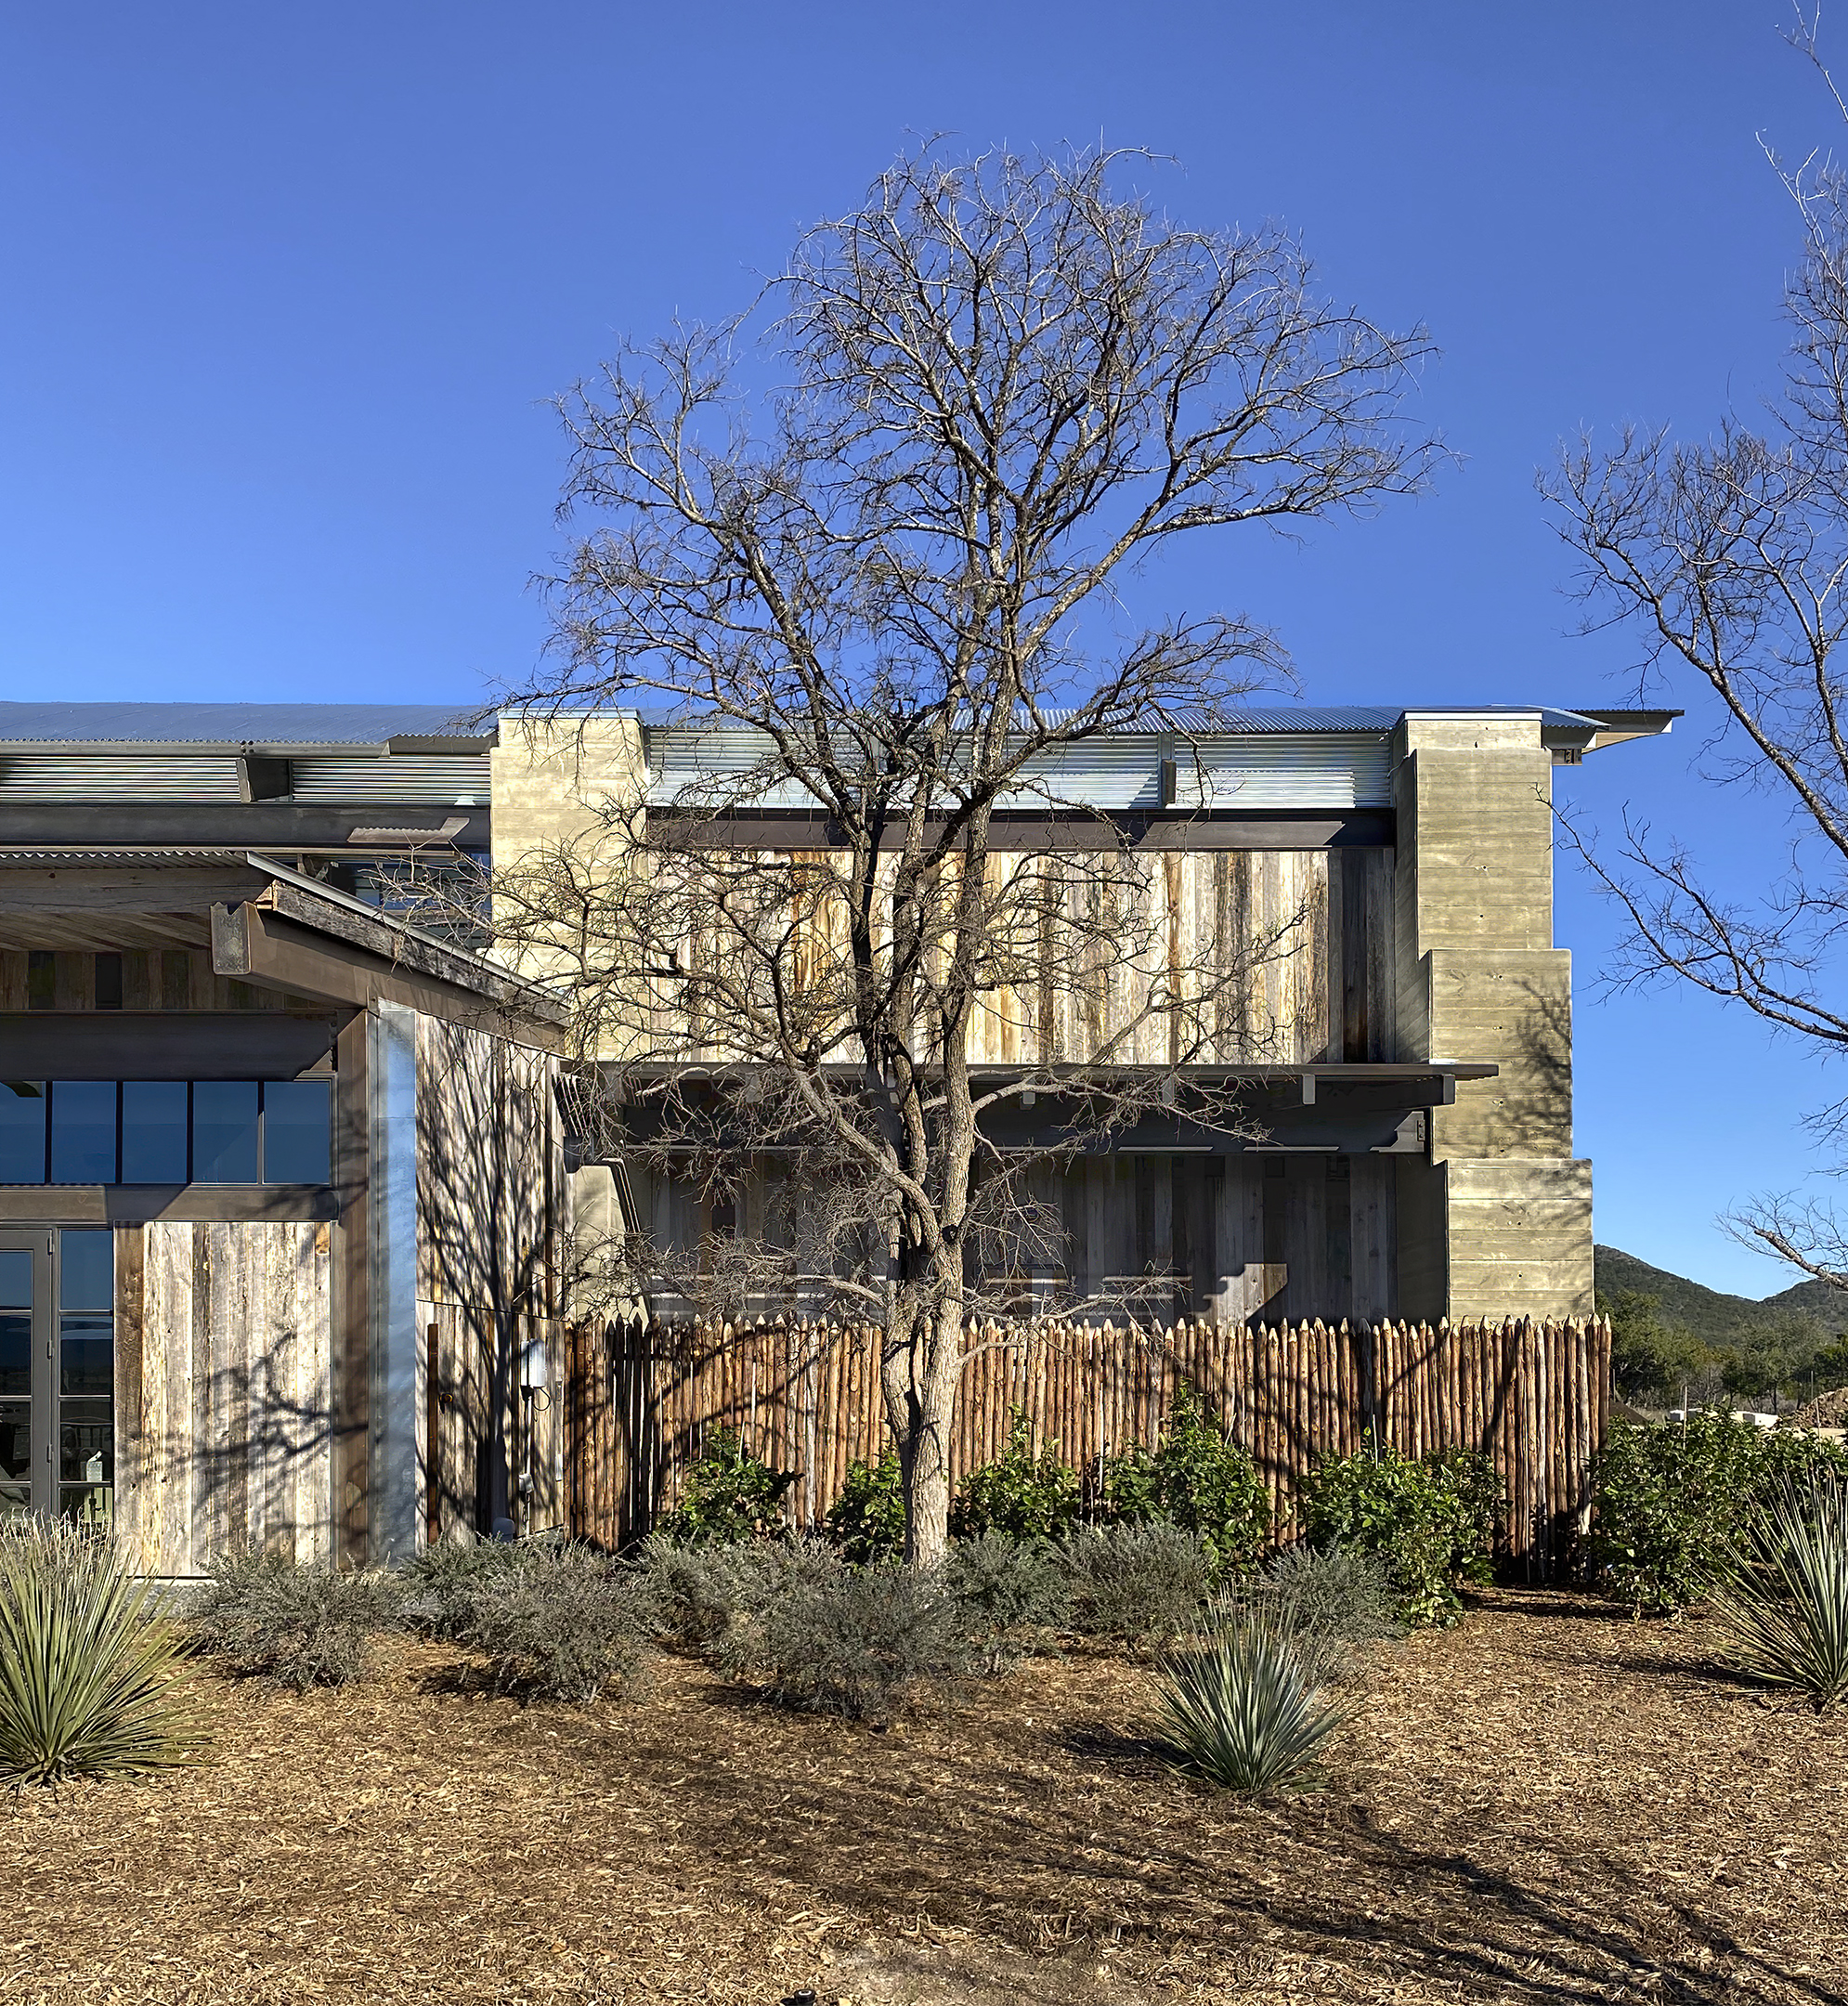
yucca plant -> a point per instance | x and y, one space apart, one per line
1783 1604
87 1667
1241 1708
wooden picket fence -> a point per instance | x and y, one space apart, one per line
1534 1395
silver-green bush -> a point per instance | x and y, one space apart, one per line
439 1583
1783 1604
1140 1583
1324 1602
1013 1593
1239 1708
87 1667
267 1618
564 1622
848 1640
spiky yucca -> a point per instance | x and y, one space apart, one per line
1241 1708
1783 1608
87 1669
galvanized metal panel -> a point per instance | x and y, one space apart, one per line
462 782
61 776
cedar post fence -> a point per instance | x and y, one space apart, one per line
1533 1396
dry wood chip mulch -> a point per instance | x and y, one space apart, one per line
1548 1805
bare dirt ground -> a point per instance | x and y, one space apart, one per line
1548 1805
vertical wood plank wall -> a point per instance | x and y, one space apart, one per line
1533 1397
490 1190
225 1423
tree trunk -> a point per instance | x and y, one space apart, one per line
923 1369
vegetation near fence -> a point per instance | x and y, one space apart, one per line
1533 1397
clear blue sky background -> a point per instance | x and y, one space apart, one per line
287 290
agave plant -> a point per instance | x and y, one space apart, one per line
1241 1707
1783 1607
87 1669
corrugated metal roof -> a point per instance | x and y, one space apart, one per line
257 724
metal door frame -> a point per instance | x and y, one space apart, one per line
39 1241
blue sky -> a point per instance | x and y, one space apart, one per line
288 288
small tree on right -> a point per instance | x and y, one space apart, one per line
1730 557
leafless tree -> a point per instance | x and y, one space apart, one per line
1729 557
881 536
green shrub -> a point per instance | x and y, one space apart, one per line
1668 1502
567 1623
299 1627
1783 1606
87 1671
1021 1494
1431 1524
1139 1583
730 1494
1240 1708
1327 1602
1195 1478
850 1640
867 1520
1010 1592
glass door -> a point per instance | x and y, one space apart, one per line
58 1372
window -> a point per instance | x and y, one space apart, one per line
165 1131
58 1372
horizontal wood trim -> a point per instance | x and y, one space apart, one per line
165 1044
135 1204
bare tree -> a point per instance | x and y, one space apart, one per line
1729 557
880 539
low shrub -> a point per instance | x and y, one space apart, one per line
1195 1478
850 1640
1783 1606
1240 1708
1431 1523
1020 1495
300 1626
1011 1593
567 1623
694 1592
1139 1584
1668 1502
439 1580
1328 1602
730 1494
867 1520
87 1669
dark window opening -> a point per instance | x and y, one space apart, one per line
165 1131
108 982
41 979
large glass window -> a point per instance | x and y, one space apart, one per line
165 1131
154 1132
295 1131
22 1107
223 1132
83 1131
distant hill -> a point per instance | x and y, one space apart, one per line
1712 1316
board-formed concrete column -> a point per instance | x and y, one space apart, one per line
571 783
1498 1223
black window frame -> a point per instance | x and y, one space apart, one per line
48 1092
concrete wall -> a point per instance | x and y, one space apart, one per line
1478 978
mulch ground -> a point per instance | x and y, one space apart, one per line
1548 1804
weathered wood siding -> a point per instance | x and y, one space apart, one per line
1533 1397
491 1193
1178 924
152 979
1242 1235
223 1402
